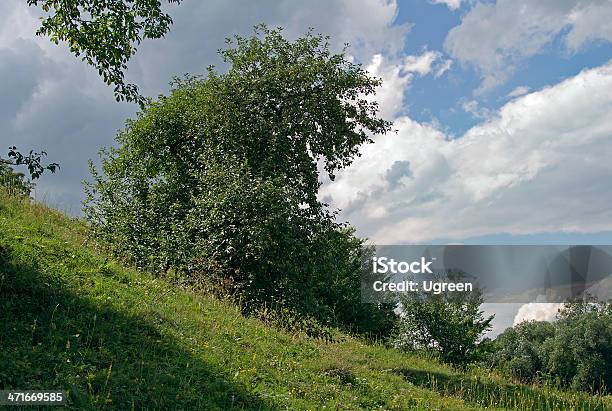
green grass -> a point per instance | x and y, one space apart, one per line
72 319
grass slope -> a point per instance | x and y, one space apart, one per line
114 338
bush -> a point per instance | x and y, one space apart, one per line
14 183
449 324
341 261
249 236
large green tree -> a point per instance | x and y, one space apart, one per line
219 179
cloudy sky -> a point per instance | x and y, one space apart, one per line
503 109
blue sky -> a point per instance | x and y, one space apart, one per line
503 109
442 98
500 55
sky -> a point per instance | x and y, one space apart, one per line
502 110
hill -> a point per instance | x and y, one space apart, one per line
74 319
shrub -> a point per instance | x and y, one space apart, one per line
342 260
449 324
249 236
13 182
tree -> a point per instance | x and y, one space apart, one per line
32 161
105 33
449 324
575 351
519 352
218 181
579 355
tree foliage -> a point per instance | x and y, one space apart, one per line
17 183
580 353
217 182
13 182
449 324
105 33
33 161
575 351
519 352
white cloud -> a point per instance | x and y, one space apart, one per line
540 164
496 37
537 312
518 91
592 21
390 96
18 23
422 64
473 107
451 4
397 76
444 67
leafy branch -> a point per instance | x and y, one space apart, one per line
32 161
105 33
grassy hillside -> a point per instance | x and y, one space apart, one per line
73 319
